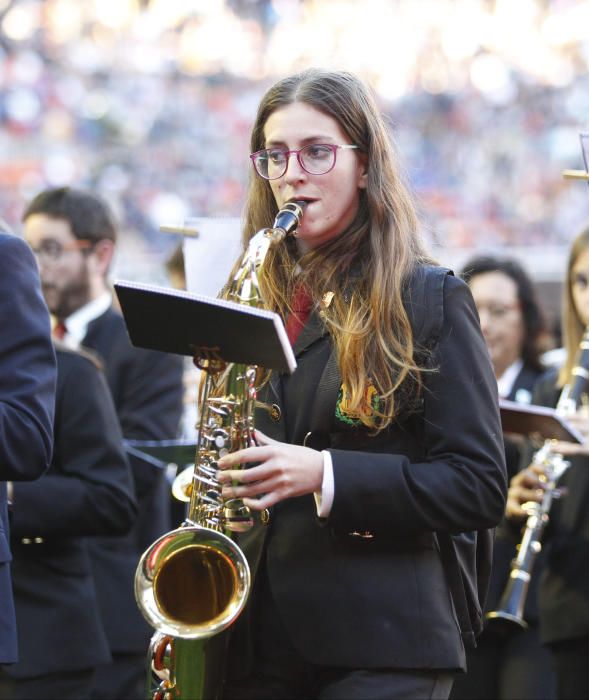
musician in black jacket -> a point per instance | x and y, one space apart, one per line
387 432
88 490
564 589
27 399
515 665
74 235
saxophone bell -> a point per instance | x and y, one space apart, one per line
192 583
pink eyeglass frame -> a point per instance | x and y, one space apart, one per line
333 147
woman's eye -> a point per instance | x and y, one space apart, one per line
276 156
580 280
318 152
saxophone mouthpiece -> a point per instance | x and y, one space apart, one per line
289 217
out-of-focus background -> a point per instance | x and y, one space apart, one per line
150 102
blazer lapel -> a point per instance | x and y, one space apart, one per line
314 330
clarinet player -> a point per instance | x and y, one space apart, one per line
564 589
387 432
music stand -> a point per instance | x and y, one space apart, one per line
205 328
170 455
524 419
580 174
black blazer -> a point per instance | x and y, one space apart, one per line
383 602
147 390
27 396
88 490
564 586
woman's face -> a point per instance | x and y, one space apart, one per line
502 321
333 198
580 286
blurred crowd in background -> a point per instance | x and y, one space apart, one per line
149 103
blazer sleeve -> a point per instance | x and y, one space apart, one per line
460 485
89 488
27 366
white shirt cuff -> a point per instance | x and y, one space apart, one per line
324 500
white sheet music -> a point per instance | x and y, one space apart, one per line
209 257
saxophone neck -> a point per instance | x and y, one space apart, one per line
244 287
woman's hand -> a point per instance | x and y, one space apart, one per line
283 471
524 487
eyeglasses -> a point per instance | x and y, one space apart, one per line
497 311
315 159
53 250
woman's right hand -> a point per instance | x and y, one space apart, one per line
524 487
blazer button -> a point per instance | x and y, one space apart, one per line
265 517
275 413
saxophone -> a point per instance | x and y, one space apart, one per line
192 583
510 610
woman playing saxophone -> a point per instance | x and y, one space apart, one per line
386 434
564 590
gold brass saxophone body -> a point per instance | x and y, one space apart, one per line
510 609
192 583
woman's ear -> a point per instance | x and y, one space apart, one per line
362 172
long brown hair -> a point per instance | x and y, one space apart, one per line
572 325
367 265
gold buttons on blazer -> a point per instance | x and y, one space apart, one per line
275 412
265 517
32 540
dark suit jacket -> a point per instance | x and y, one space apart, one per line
383 602
88 490
564 586
27 395
147 390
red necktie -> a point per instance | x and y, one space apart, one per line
59 330
302 303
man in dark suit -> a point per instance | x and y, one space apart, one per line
27 396
74 235
88 490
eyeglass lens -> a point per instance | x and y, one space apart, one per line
50 249
496 310
316 159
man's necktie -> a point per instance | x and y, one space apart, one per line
59 330
302 304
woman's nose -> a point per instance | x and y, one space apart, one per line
294 171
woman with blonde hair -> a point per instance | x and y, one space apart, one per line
385 438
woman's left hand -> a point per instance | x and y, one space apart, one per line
283 471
